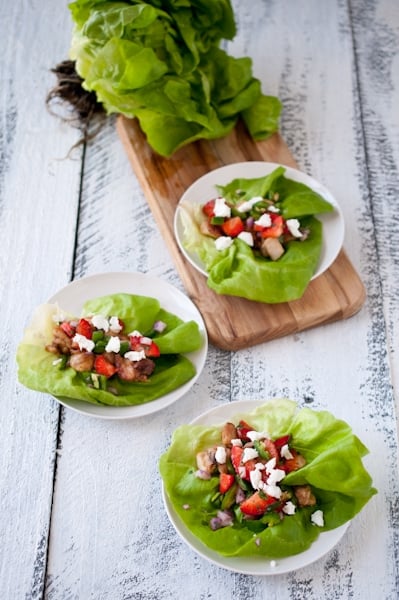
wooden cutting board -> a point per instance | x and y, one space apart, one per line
235 323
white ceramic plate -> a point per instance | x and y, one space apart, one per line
250 565
71 299
204 189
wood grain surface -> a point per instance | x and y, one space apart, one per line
334 295
81 510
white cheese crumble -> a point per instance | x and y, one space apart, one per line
223 242
255 477
113 345
273 209
257 435
264 221
247 237
236 442
317 518
83 342
221 209
293 227
285 452
220 455
57 361
135 356
275 476
114 325
248 204
272 490
100 322
289 508
270 465
135 333
249 454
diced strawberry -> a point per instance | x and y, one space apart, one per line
152 350
135 343
270 447
103 367
293 464
242 430
236 456
256 504
209 208
233 226
276 229
226 480
84 327
68 329
282 441
249 466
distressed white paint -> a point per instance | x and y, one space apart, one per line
335 67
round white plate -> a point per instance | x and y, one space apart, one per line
71 299
255 565
204 189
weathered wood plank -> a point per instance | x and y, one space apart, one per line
38 211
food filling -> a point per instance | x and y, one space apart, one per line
100 347
251 468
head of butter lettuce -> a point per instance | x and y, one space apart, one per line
35 365
237 271
161 62
334 469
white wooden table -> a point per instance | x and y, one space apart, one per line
80 515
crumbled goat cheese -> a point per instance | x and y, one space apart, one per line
83 342
257 435
223 242
270 465
236 442
221 209
100 322
135 356
114 325
246 206
285 452
249 454
275 476
113 345
289 508
264 221
293 227
247 237
317 518
220 455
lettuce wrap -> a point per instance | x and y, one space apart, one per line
241 271
37 371
160 61
333 469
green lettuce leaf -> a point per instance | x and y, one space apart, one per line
334 469
160 61
238 271
37 371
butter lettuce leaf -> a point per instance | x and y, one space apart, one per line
334 468
161 62
238 270
37 371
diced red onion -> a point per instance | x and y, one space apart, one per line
225 517
202 474
240 496
250 222
215 523
159 326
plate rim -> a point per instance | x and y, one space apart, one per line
295 174
245 565
140 410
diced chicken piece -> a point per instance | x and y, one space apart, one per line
134 371
206 461
304 495
272 248
229 432
61 344
210 230
82 361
